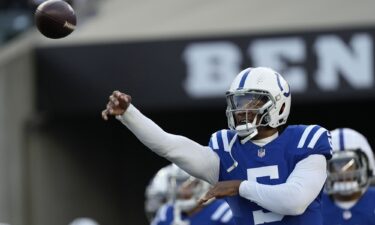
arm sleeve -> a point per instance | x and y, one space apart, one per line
197 160
296 194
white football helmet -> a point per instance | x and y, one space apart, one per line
163 188
257 97
190 192
352 165
348 172
187 198
84 221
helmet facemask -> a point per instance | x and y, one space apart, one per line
348 172
176 178
247 110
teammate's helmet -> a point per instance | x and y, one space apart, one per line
84 221
351 166
262 96
348 172
163 188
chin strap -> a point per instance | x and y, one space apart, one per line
249 137
248 130
235 163
243 141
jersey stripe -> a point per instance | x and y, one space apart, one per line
227 216
220 211
162 213
215 145
224 136
316 137
231 143
304 136
219 140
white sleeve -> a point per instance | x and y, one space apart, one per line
296 194
197 160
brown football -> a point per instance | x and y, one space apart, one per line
55 19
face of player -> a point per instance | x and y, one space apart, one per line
247 108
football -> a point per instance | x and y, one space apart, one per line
55 19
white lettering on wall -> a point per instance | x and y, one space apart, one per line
276 53
353 62
211 67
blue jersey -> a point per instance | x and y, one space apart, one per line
362 213
215 213
270 164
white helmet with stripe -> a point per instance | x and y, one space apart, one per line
262 96
84 221
163 188
189 193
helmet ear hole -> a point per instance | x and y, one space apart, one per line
282 109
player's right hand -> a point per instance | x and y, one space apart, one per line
220 190
117 104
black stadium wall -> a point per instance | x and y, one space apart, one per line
320 66
180 84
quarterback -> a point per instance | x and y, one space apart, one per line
268 172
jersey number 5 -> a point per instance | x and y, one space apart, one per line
259 216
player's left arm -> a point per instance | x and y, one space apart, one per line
296 194
303 184
290 198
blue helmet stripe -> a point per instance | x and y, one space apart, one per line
341 139
278 81
286 94
243 78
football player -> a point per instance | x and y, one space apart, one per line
162 188
267 171
187 211
348 199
